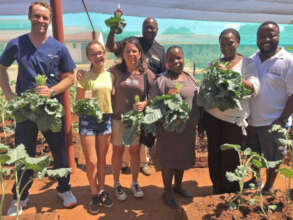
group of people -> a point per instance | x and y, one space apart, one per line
146 71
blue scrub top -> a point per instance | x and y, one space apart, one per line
51 59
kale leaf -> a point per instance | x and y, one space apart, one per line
88 107
44 111
172 110
221 89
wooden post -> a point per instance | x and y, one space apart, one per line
58 34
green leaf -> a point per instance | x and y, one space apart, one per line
272 207
247 152
232 177
286 172
36 164
252 202
136 99
235 147
129 135
41 80
16 154
273 164
61 172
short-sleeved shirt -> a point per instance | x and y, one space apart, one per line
51 58
127 86
154 53
276 85
102 88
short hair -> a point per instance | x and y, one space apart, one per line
150 18
232 31
92 43
42 3
172 48
266 23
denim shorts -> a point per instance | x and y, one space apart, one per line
89 126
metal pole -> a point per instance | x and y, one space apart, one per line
58 34
94 35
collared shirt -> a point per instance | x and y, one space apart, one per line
51 59
154 53
246 67
276 85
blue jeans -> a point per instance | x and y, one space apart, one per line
26 133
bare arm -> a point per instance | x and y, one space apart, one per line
4 83
111 43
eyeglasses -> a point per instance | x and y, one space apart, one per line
99 53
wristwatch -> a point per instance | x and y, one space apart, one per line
52 92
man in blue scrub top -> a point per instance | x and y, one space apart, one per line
37 53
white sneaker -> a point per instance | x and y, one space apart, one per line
68 198
136 190
120 193
12 208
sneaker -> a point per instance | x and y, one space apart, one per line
12 208
105 199
94 205
136 190
146 169
68 198
119 193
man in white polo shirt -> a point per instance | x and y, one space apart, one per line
274 102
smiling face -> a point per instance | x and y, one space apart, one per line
131 55
229 44
96 55
268 39
149 29
175 60
40 18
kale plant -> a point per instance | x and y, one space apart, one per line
285 144
171 110
88 107
116 23
21 161
44 111
248 160
132 121
221 89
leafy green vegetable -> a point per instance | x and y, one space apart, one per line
221 89
132 121
44 111
178 86
41 80
88 107
136 99
171 109
116 23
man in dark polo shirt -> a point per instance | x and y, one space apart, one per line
153 51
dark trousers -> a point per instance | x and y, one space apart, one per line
26 133
220 132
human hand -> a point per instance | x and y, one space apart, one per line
139 107
222 66
43 91
173 91
118 12
80 74
10 96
